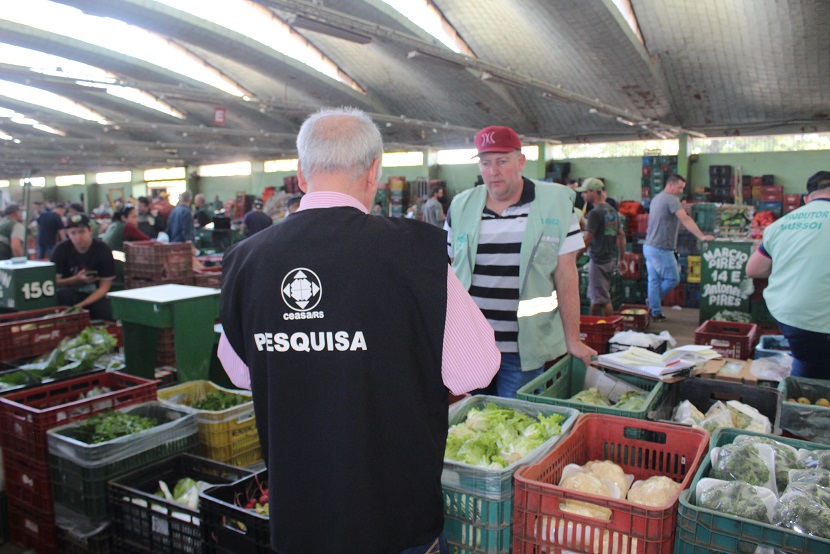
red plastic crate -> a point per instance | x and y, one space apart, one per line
729 339
35 332
633 266
641 448
210 277
28 414
28 483
140 282
676 297
595 334
32 530
642 223
635 322
156 261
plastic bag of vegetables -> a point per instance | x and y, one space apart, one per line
737 498
752 463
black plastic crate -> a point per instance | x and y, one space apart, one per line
97 542
687 244
703 392
720 171
162 526
227 528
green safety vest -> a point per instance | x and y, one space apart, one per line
541 337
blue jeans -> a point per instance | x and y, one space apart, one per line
811 352
438 546
663 275
511 378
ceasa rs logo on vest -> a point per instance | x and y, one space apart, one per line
301 291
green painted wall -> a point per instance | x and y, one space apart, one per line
791 169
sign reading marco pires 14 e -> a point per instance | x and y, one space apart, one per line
724 286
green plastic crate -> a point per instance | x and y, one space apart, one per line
700 530
807 421
465 538
497 484
567 377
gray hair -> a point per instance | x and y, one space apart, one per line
341 140
186 197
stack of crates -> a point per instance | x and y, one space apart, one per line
228 436
791 203
26 417
705 215
81 471
478 502
655 171
150 263
720 183
771 200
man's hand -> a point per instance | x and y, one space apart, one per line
582 351
707 238
84 278
622 266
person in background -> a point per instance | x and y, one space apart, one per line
162 206
293 204
353 292
799 278
256 220
49 230
124 227
202 214
77 208
433 210
12 233
579 203
149 221
85 269
605 240
180 223
513 243
665 215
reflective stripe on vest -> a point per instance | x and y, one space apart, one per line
538 305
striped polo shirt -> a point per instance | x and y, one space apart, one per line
495 279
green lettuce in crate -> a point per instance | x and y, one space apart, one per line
110 425
216 401
495 436
632 401
592 397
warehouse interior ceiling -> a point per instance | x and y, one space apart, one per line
555 70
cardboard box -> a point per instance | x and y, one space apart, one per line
728 369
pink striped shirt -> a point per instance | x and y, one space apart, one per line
470 357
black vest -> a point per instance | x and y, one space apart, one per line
340 317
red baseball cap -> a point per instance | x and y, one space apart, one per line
497 139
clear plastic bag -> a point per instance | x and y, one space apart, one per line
804 508
753 463
737 498
786 457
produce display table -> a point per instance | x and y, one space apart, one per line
191 313
27 285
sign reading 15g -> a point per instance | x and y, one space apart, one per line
34 290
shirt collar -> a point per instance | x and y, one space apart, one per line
315 200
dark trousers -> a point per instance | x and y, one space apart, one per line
811 352
67 296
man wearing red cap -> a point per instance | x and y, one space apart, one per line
514 243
